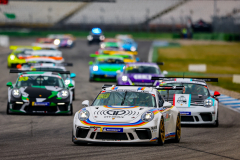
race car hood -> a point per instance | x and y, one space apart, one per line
117 114
40 91
110 67
144 78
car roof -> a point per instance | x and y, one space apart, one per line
142 64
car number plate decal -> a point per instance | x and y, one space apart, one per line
40 103
112 129
186 113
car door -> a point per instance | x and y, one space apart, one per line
165 112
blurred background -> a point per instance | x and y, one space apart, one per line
203 32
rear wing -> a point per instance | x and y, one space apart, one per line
50 64
25 47
102 55
193 79
160 63
20 71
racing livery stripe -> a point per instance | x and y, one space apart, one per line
119 107
170 135
136 124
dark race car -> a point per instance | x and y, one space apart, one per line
39 93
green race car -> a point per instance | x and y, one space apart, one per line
37 92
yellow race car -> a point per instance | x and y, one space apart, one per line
127 56
19 51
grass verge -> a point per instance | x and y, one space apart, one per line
221 60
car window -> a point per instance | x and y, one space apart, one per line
160 100
24 81
142 69
125 99
190 88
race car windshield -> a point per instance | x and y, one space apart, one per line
142 69
190 88
125 99
110 61
25 81
64 76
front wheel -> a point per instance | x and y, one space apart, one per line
73 94
178 130
8 109
161 135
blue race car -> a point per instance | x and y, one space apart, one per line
105 68
129 44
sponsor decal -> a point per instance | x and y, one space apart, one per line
116 112
182 100
186 113
105 129
40 103
141 88
139 76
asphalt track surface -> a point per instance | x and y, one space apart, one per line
49 137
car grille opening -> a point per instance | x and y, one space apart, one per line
41 108
17 106
196 118
82 132
187 119
92 135
111 136
144 133
206 116
131 136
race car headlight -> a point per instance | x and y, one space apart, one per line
16 93
89 37
101 37
208 103
69 42
12 57
83 115
95 68
67 81
147 116
64 94
102 45
56 42
124 78
133 48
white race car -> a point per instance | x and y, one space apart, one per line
195 103
127 114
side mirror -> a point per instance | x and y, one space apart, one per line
9 84
165 72
167 104
72 75
85 103
90 63
216 93
137 59
70 85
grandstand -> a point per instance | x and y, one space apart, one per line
36 12
122 12
197 10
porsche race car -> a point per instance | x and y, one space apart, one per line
195 103
105 68
127 114
39 93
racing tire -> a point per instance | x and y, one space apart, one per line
8 108
71 110
178 130
73 95
161 134
77 142
216 122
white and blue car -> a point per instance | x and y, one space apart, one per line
127 114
